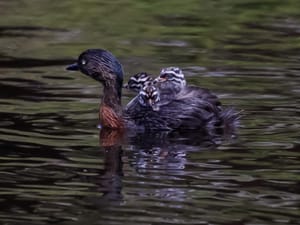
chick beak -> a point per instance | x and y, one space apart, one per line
160 79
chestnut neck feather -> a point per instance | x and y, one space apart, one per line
110 107
111 98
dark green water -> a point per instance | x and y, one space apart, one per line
55 170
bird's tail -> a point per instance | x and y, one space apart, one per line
230 120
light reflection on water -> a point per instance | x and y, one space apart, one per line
54 168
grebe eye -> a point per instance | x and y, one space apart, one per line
83 62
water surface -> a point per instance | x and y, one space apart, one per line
56 167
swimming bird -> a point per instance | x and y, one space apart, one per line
149 96
156 92
186 112
171 79
172 84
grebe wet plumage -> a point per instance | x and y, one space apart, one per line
158 91
171 79
170 84
148 94
184 112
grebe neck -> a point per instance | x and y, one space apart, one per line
110 108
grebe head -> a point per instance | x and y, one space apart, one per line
100 65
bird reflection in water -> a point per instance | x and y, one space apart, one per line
146 151
167 151
111 182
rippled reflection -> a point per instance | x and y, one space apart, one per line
57 167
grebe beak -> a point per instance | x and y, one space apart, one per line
73 67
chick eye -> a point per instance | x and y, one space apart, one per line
167 76
83 62
164 75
